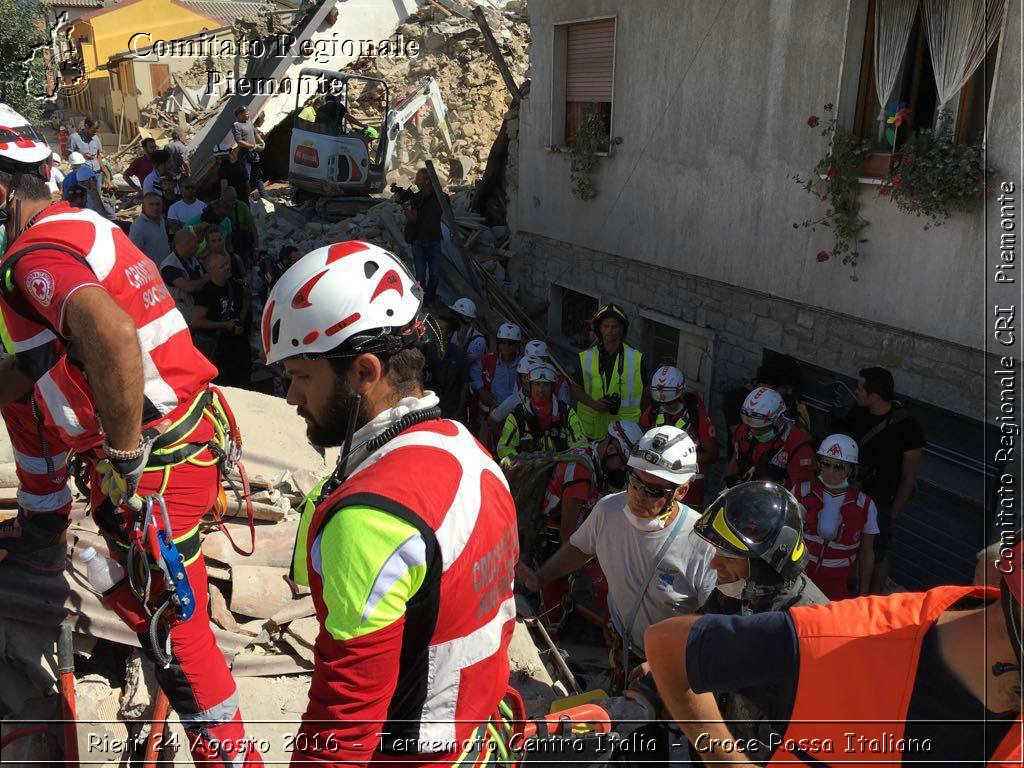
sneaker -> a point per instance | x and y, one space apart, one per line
38 542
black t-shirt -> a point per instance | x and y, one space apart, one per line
759 655
222 302
881 457
427 227
446 376
236 176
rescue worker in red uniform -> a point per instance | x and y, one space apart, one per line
36 538
768 445
915 678
130 396
676 406
840 521
411 547
573 490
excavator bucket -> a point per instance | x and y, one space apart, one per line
459 167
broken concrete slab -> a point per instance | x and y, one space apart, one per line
301 636
274 545
259 591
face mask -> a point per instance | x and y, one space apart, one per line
733 589
646 524
840 487
765 437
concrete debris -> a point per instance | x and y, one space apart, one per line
259 591
139 686
301 634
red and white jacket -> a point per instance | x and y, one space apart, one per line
837 556
453 668
68 249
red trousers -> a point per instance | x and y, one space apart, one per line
38 493
197 681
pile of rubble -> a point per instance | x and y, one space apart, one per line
453 53
264 622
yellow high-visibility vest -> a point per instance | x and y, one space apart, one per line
626 380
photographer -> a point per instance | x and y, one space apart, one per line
423 231
612 376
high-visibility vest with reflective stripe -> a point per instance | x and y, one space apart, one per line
628 385
300 563
454 667
174 371
872 645
838 556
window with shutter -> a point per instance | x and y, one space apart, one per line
589 72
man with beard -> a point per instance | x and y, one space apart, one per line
410 548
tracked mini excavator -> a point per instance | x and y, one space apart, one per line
342 167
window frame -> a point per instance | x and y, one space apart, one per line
706 386
556 296
559 70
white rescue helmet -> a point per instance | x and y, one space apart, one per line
666 452
762 408
668 384
839 448
527 363
537 348
22 149
464 307
543 372
626 433
509 331
342 300
76 159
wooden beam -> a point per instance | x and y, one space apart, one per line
467 265
495 51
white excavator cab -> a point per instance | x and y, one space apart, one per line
332 157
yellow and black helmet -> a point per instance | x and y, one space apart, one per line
757 521
610 310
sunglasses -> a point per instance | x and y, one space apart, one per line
651 491
826 464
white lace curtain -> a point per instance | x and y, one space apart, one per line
894 20
959 34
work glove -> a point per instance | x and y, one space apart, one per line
119 479
370 132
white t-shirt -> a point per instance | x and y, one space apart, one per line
681 583
829 516
56 182
182 211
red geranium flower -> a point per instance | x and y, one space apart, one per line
822 256
931 181
897 180
833 174
813 121
884 191
908 160
828 107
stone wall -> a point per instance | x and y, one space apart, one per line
946 375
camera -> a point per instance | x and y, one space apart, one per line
402 194
614 403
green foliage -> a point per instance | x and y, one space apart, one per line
21 33
591 137
834 181
936 176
